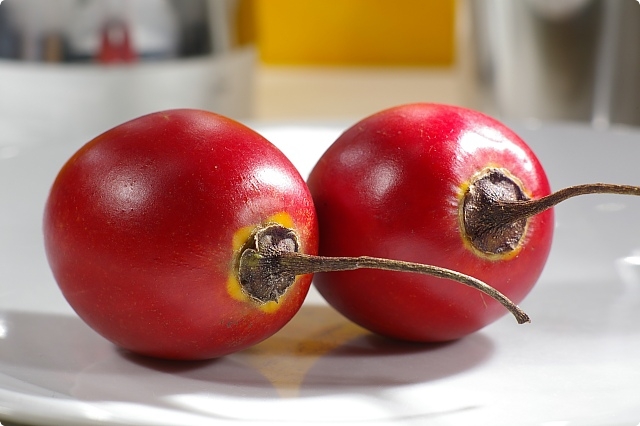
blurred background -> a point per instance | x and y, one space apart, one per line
92 64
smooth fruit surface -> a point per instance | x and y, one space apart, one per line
144 224
391 186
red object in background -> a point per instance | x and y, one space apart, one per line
115 43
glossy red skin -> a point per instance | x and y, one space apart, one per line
139 228
390 187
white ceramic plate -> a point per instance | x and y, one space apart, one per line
578 363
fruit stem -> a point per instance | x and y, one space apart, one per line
300 264
495 209
270 262
512 211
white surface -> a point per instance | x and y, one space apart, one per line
39 96
577 363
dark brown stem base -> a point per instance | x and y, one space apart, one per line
269 266
495 209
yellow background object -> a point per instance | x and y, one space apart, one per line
356 32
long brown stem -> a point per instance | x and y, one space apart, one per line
512 211
271 261
495 209
300 264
